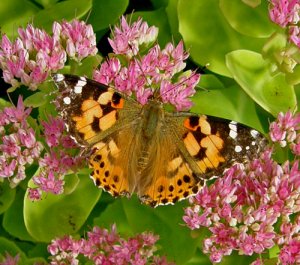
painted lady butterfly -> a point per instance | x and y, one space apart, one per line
162 156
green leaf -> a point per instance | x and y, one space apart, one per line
11 248
67 10
238 15
13 220
57 215
159 3
171 11
208 36
15 13
7 196
87 66
132 217
46 3
105 13
251 72
35 100
227 102
4 104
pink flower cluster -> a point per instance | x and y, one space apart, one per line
18 145
286 13
128 39
55 163
106 247
286 130
34 54
252 208
10 260
157 70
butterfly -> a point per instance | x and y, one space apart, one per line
161 156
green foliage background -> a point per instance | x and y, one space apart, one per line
225 36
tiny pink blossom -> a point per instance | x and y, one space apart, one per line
294 35
34 194
80 39
284 12
285 130
10 260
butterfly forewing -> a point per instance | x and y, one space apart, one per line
90 109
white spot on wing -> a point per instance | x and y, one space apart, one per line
254 133
81 83
59 77
233 134
82 78
67 100
78 89
238 149
232 126
247 147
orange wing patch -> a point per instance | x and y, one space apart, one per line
106 174
96 115
179 183
202 144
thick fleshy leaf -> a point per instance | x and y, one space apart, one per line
10 247
13 14
105 13
238 15
67 10
251 72
165 221
7 196
172 13
208 36
57 215
13 220
227 102
35 100
87 66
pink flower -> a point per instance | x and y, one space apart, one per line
10 260
18 147
249 228
80 39
289 254
158 69
106 247
286 130
284 12
34 194
55 163
127 39
34 54
49 183
294 33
